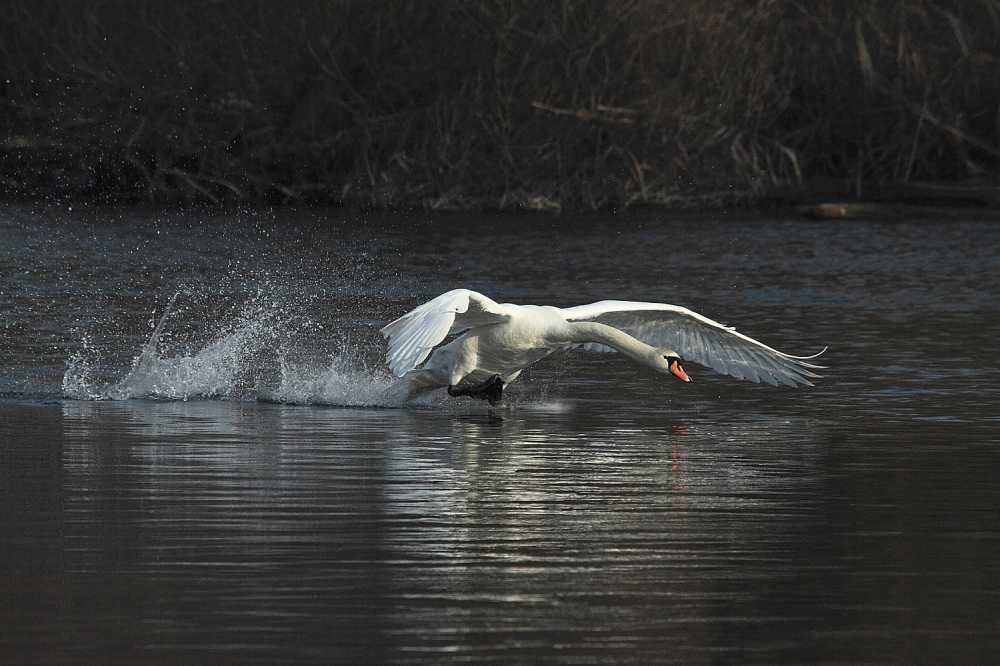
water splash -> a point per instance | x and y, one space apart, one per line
146 365
78 381
255 359
342 384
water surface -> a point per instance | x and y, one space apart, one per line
603 514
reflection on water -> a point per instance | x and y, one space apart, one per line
600 516
249 533
437 533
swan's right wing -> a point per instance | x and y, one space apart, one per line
700 339
415 334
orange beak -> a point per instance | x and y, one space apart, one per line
678 371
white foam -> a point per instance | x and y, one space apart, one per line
341 384
212 372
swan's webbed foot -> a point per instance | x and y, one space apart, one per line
490 390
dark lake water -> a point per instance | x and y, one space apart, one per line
604 514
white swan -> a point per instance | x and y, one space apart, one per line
501 339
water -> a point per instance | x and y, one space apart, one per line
155 510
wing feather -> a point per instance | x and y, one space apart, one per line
735 363
699 339
415 334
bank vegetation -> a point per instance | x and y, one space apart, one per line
502 104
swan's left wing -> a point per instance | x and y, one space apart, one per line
415 334
699 339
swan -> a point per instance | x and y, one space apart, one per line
499 340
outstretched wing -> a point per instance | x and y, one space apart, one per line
699 339
415 334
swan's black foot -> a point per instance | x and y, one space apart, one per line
491 390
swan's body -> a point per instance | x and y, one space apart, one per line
500 340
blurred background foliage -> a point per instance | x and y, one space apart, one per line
509 104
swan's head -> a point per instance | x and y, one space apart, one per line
669 361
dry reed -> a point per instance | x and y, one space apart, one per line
511 104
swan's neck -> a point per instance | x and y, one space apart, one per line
610 336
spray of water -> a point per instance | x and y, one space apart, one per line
339 384
253 360
78 381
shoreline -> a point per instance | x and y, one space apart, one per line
914 201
